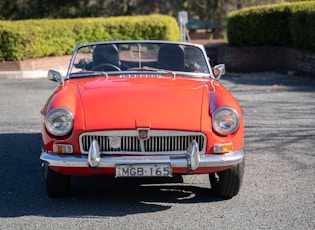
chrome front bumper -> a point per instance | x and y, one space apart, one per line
191 160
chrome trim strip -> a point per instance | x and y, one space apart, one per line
206 160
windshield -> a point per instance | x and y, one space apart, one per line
118 57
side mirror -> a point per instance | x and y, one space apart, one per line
219 70
54 75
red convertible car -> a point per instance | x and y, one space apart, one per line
142 109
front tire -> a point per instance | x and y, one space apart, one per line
227 183
57 185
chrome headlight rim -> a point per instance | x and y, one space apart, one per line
225 120
59 121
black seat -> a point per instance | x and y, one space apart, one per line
171 57
106 57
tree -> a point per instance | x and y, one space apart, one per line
208 10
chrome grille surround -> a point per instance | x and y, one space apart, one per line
160 142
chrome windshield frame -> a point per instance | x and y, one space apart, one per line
159 42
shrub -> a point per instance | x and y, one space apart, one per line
302 25
10 45
289 24
38 38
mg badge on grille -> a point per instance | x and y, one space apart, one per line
115 142
143 134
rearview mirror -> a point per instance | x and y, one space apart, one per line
219 70
54 75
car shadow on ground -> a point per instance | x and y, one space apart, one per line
23 188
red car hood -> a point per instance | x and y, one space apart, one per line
129 103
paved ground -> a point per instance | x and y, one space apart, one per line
277 193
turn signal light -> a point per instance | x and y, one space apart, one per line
62 148
223 147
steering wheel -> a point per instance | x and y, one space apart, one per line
106 67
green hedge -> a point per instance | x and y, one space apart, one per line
27 39
288 24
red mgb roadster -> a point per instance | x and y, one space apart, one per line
142 109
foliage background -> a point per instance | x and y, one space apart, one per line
208 10
22 39
286 24
25 39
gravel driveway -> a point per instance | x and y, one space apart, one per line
277 193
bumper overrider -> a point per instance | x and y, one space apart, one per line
191 160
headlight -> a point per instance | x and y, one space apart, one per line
59 121
225 121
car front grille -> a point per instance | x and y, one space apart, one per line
128 141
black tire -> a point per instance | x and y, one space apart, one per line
227 183
57 185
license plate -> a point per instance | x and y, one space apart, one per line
144 170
